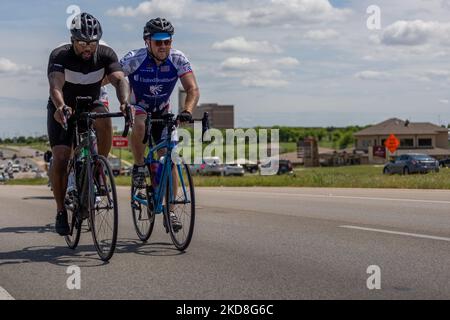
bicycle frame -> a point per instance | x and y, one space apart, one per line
166 175
84 152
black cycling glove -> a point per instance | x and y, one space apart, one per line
185 116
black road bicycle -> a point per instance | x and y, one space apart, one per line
93 195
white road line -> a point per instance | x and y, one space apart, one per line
4 295
415 235
276 194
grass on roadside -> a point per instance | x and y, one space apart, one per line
337 177
29 182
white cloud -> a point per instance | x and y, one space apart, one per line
174 8
279 12
320 35
239 63
240 13
372 75
444 101
252 73
415 33
264 82
438 75
287 62
9 67
240 44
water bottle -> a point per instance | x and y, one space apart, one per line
159 173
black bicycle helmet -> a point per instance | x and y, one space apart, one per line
85 27
158 25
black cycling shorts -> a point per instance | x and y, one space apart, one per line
157 129
56 134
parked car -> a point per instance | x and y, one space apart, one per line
412 163
210 166
115 165
196 169
233 170
284 166
443 163
16 168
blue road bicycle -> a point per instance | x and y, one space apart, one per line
168 191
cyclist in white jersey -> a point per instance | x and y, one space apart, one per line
153 72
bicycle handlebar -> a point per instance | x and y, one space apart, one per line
168 118
129 121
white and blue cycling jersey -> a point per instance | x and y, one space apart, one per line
152 85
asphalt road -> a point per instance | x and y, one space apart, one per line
249 243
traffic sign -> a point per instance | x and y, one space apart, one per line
392 143
120 142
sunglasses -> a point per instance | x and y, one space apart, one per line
159 43
87 43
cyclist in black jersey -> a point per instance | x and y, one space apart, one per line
78 69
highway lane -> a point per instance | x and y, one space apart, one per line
249 243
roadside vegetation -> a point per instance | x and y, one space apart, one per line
330 137
366 176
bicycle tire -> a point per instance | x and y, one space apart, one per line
70 203
181 243
100 169
143 229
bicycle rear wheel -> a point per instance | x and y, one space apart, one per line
182 204
71 205
142 211
103 208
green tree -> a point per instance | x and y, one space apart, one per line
346 140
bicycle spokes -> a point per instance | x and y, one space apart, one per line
180 203
104 211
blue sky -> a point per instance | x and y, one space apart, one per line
285 62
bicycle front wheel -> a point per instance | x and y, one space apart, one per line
180 200
75 222
103 208
142 211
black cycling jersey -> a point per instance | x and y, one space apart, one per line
83 78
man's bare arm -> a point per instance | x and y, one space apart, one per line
56 81
117 79
192 91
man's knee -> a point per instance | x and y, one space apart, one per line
61 156
139 126
102 124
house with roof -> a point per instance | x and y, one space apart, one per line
414 137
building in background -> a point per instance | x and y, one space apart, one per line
414 137
220 116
